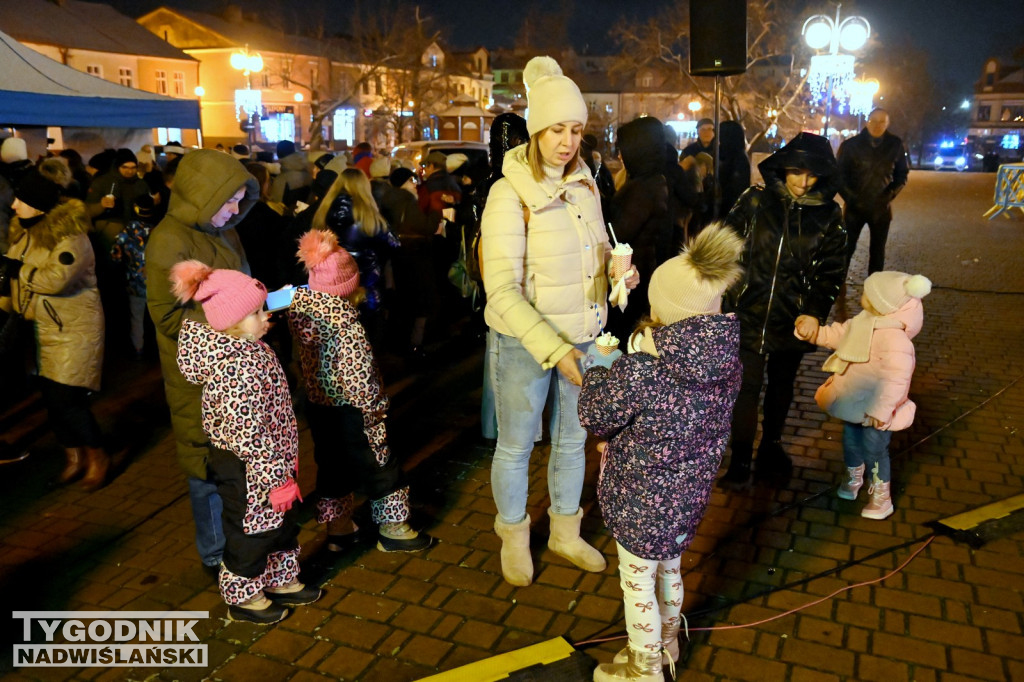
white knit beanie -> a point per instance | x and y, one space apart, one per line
693 282
13 149
552 97
888 291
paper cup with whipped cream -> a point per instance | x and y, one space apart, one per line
607 343
622 259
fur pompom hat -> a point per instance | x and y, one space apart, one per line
227 296
331 269
13 149
888 291
552 97
693 282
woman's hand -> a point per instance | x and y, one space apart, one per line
569 366
806 328
632 278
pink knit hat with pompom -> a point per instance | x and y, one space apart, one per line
227 296
331 269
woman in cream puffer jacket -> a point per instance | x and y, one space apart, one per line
545 254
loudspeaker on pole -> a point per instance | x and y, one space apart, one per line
718 37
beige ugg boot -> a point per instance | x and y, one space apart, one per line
74 466
565 541
516 561
640 666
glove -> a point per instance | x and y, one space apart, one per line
596 358
283 496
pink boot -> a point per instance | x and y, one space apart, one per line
879 506
852 483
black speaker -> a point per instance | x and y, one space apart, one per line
718 37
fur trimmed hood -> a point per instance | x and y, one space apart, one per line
67 218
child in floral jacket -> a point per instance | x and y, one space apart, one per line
665 410
129 248
346 404
247 413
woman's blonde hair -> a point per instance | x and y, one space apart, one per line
536 162
354 183
643 324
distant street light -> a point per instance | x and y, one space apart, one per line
834 70
694 106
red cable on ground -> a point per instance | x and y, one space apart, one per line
791 611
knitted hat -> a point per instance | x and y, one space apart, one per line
37 191
145 156
552 97
693 282
380 167
101 162
13 149
436 158
123 156
240 152
331 269
455 161
144 206
285 148
174 148
888 291
400 176
227 296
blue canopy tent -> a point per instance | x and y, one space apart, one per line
38 91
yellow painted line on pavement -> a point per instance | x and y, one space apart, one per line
499 667
975 517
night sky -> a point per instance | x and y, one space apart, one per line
959 34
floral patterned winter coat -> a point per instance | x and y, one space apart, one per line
338 367
666 420
247 410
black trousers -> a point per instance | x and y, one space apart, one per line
244 554
781 367
878 227
344 460
70 416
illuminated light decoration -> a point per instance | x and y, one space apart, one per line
200 91
299 97
249 101
835 70
862 96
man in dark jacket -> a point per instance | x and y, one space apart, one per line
873 168
794 259
705 140
212 192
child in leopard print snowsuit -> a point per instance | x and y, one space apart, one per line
247 413
345 402
665 411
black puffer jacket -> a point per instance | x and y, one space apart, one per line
794 257
369 252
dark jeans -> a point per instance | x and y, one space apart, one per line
781 367
69 414
878 226
246 555
344 460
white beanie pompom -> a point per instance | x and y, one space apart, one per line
918 286
539 67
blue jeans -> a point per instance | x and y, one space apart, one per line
868 446
488 416
206 512
521 390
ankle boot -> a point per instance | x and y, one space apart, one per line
669 647
97 463
852 483
75 464
516 561
640 666
737 476
879 505
565 541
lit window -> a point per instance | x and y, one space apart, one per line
161 82
179 82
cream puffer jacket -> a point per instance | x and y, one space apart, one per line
546 280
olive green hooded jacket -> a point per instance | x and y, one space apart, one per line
205 181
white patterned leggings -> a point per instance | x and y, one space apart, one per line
652 592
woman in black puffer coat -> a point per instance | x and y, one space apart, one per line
794 264
639 213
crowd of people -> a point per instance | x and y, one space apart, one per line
97 252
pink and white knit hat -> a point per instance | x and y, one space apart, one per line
331 269
227 296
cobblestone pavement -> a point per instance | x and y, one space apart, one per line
952 613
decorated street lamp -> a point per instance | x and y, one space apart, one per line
832 72
248 102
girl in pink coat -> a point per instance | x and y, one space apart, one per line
871 370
